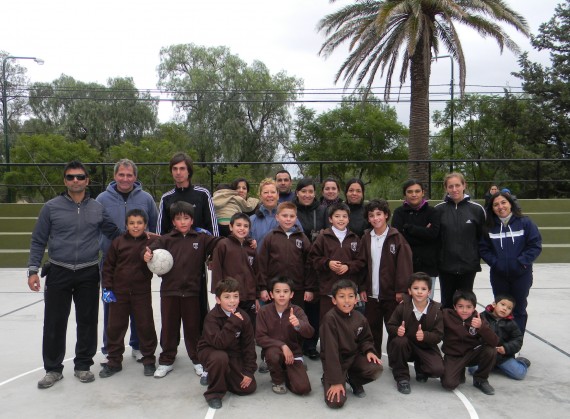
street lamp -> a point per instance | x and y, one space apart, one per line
451 84
5 102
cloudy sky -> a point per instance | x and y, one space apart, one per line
94 40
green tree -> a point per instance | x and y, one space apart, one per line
380 33
233 111
101 115
355 130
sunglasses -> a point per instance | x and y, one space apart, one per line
78 177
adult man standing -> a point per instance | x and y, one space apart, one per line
283 181
204 213
123 194
69 225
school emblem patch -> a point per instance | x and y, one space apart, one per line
238 334
359 330
299 243
250 260
393 248
195 246
472 331
353 246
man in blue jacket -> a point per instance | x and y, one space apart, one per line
69 225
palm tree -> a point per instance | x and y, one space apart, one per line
379 32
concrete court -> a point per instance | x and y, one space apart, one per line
544 393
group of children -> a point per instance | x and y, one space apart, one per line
338 269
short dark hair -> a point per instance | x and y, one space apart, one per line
337 206
419 277
240 216
282 171
411 182
75 164
465 295
377 204
507 297
181 207
179 158
343 284
226 285
137 212
280 280
223 186
236 182
303 183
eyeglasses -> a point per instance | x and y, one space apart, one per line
78 177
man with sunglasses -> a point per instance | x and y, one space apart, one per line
70 226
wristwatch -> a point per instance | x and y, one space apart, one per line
32 272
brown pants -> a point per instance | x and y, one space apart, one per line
426 360
175 310
294 376
454 366
119 313
224 374
325 304
378 312
360 372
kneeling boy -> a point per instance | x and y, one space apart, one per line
279 331
227 347
347 347
415 329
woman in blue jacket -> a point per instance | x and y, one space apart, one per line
510 245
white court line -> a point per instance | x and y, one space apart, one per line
211 413
470 409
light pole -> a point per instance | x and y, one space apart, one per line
451 85
5 106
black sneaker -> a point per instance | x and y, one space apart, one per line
524 361
404 387
357 390
263 368
484 386
149 370
421 377
215 403
108 371
313 354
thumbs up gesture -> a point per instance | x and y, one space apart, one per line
402 329
420 334
147 255
476 321
293 319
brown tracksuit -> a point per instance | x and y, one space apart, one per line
327 247
401 349
180 291
464 346
395 270
227 351
345 341
272 333
128 276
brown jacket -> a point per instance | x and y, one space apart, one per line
231 335
189 252
327 247
459 337
124 270
432 323
274 331
237 260
395 265
342 337
281 255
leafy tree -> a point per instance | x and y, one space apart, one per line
101 115
355 130
380 32
233 111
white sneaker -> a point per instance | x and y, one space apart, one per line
199 369
137 355
162 370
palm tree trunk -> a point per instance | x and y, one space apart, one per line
418 144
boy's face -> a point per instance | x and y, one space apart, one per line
419 291
339 219
281 294
183 223
240 228
229 301
377 219
136 225
464 308
503 308
286 219
345 300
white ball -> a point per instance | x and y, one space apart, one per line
161 262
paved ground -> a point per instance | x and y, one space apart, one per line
545 392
